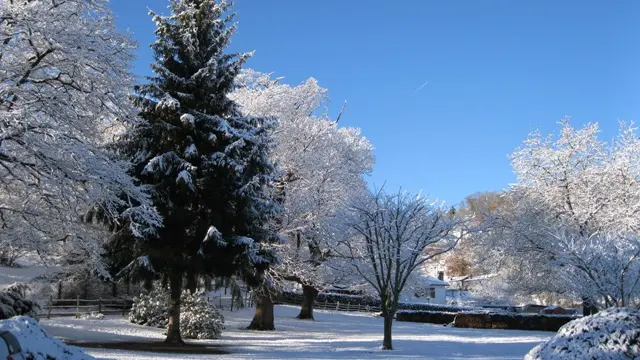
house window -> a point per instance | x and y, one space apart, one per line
432 293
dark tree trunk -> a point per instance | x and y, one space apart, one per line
60 289
192 282
114 289
148 284
263 318
85 289
386 341
173 329
588 307
310 293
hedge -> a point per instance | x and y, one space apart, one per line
493 320
431 317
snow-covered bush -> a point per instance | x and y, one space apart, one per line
93 316
199 319
151 309
613 334
37 344
13 303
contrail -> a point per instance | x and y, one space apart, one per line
421 86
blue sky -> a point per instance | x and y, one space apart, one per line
496 71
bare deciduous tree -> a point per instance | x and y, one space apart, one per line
390 236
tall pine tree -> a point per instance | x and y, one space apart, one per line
207 164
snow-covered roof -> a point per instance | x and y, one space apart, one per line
432 281
472 278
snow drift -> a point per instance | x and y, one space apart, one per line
37 344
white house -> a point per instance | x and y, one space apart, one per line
427 290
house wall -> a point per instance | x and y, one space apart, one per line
440 296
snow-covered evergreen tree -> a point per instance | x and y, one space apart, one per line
207 164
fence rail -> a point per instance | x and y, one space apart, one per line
337 306
77 307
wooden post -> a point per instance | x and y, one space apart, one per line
325 304
231 301
338 306
77 306
100 305
221 301
50 306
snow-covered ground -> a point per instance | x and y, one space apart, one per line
10 275
331 336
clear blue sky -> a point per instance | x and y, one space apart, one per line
497 70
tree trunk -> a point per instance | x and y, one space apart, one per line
173 329
310 293
192 282
263 318
386 341
85 289
588 307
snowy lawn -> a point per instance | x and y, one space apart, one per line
331 336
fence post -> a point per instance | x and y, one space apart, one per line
100 305
77 306
50 306
220 301
358 307
231 301
338 306
325 304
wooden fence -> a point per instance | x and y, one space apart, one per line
339 306
78 307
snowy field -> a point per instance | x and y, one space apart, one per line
331 336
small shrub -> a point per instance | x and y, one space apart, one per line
199 319
93 316
151 309
12 304
613 334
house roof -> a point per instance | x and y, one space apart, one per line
469 278
430 280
